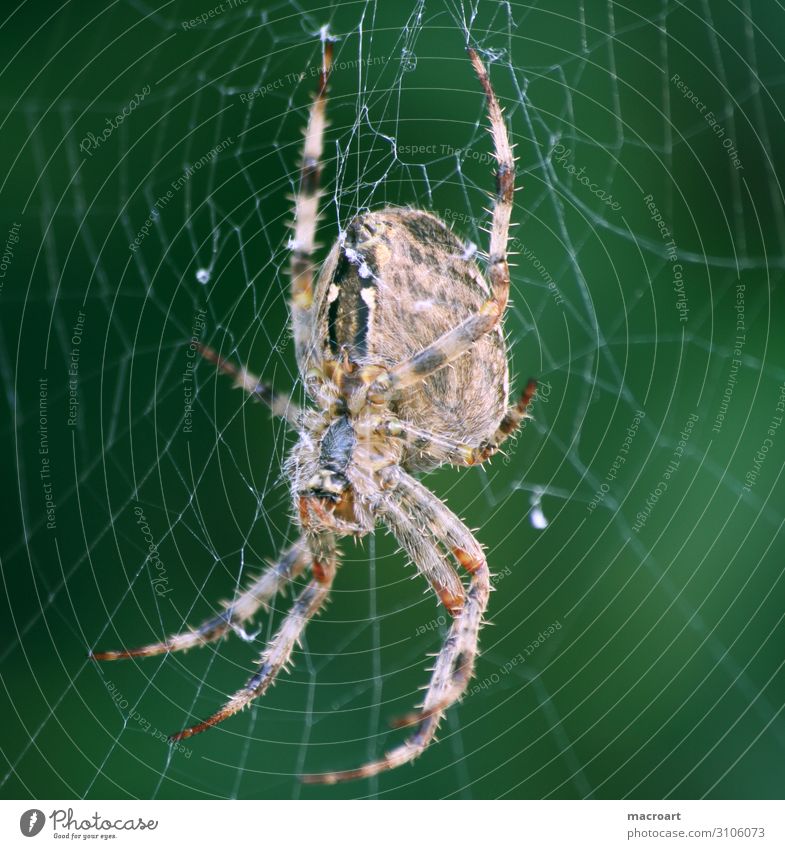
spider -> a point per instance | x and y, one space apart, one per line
400 347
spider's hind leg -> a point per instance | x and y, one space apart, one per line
460 339
240 610
306 215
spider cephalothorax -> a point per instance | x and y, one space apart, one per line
325 477
400 347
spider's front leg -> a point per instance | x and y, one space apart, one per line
423 551
258 595
455 663
278 651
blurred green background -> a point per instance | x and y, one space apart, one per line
635 650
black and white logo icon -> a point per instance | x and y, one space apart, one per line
31 822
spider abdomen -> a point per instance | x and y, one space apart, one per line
396 281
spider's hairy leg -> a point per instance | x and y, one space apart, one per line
279 404
515 414
454 665
436 446
258 595
306 215
458 340
498 269
426 556
453 670
278 651
447 450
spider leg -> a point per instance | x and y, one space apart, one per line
426 556
458 340
279 650
279 404
454 665
240 610
447 450
439 447
453 670
515 414
306 215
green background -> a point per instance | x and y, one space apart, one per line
664 675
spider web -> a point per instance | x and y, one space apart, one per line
634 527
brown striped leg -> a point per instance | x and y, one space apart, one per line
424 442
258 595
279 650
458 340
447 450
435 517
455 663
426 556
508 425
279 404
306 215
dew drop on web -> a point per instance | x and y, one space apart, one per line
536 516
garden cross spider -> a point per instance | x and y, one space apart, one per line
401 350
